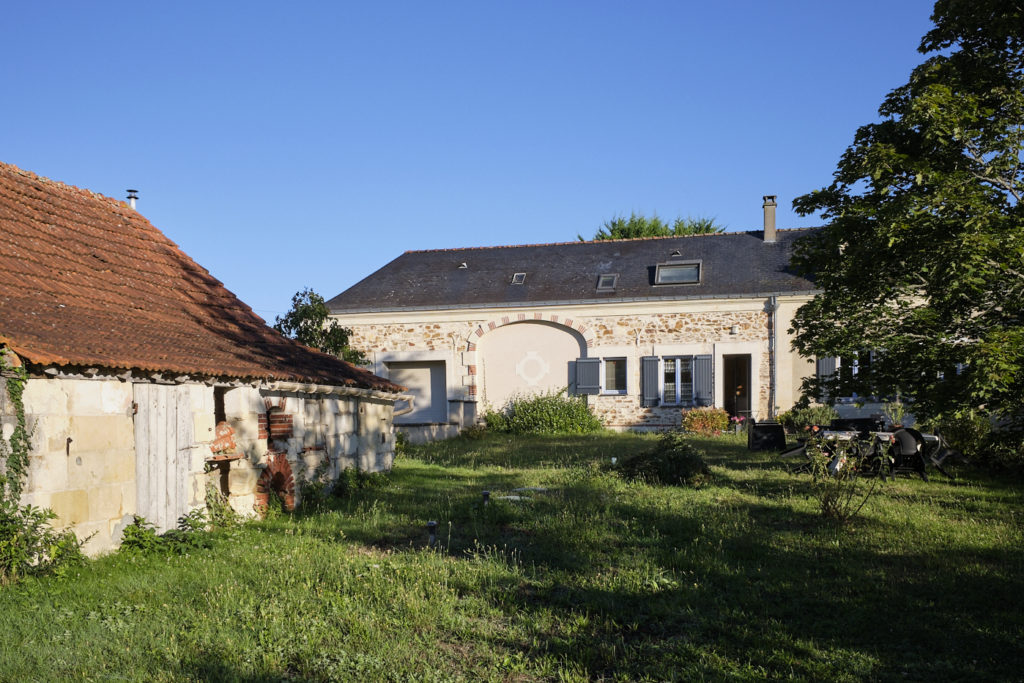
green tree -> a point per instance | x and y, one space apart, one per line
641 226
922 257
309 322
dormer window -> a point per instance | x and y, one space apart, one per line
677 273
607 282
519 278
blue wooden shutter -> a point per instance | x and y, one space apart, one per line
650 393
703 380
588 376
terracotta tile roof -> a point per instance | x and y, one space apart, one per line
87 281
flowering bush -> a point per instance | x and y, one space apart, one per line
705 421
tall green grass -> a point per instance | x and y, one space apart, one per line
568 573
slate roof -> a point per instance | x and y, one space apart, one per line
733 264
85 280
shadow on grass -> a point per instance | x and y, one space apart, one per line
210 667
783 606
741 578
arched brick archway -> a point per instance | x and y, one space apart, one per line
277 477
564 321
524 354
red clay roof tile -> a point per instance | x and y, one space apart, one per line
86 280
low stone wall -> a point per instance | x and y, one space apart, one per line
625 412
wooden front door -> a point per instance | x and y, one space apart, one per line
163 437
736 380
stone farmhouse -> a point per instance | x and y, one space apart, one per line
643 327
148 381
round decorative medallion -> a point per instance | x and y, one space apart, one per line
532 368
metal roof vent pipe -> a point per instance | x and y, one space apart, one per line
132 196
769 217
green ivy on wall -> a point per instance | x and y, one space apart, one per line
14 450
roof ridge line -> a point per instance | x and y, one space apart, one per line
17 170
651 238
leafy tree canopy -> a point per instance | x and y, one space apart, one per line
641 226
923 255
308 323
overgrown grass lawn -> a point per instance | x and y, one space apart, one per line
569 573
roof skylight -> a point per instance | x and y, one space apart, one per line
606 282
677 273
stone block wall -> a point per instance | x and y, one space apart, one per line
632 331
315 435
83 459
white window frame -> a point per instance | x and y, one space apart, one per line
605 391
686 264
678 384
607 287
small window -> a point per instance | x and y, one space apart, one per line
677 273
677 380
606 283
614 376
519 278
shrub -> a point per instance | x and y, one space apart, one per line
1003 451
401 444
965 431
839 486
313 491
550 413
140 537
474 432
674 461
219 514
352 479
705 421
29 545
799 419
495 421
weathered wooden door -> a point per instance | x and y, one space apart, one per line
163 437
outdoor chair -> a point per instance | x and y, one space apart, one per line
943 452
907 453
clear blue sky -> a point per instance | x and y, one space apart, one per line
285 145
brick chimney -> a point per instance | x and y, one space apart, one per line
769 217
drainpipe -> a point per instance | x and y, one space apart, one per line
773 307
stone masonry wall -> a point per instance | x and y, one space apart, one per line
82 462
316 435
643 332
82 459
